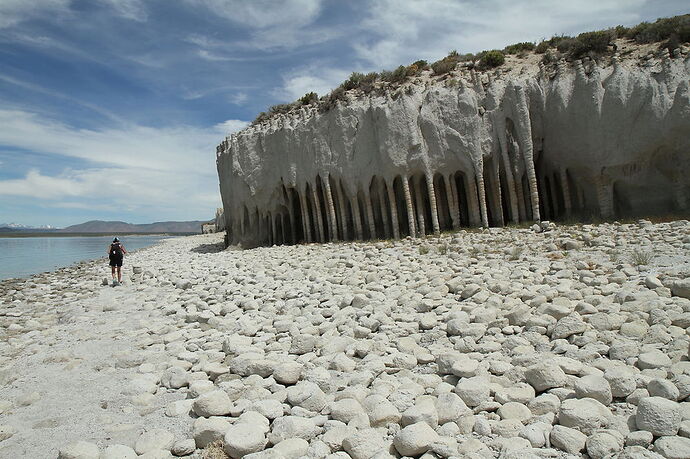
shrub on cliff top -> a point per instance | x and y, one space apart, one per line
591 42
491 59
309 98
662 29
519 47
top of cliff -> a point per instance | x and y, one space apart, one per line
642 43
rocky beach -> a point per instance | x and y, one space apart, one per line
552 341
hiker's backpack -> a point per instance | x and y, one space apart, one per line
115 250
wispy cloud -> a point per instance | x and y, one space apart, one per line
137 166
400 32
318 78
129 9
15 11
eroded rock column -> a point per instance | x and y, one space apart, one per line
408 204
332 221
453 206
524 128
393 208
432 203
473 201
419 206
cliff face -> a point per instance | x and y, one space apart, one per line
529 143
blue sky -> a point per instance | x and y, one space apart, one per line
111 109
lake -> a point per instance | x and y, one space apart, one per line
24 256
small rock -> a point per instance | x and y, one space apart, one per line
595 387
584 414
545 375
118 452
658 415
154 439
79 450
214 403
242 439
414 439
603 444
183 447
206 431
673 447
6 431
663 388
566 439
653 359
364 444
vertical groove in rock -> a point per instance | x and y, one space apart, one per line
605 196
565 187
370 214
356 217
342 208
317 211
306 219
384 214
453 200
419 205
475 214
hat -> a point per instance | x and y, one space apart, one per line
116 240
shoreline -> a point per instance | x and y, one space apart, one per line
357 347
60 234
100 257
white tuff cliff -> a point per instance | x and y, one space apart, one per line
520 143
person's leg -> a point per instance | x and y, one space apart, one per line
112 270
119 274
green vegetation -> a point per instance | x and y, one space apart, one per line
640 257
491 59
518 48
669 32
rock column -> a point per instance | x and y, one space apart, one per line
408 204
393 209
432 203
453 204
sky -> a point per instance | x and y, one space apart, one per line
111 109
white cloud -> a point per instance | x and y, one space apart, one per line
272 25
239 98
404 31
230 126
129 9
263 14
136 167
315 78
15 11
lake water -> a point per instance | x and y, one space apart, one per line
24 256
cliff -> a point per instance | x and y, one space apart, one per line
524 142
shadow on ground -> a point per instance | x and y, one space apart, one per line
209 248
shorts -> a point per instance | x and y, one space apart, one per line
116 261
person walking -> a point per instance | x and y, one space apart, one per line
116 253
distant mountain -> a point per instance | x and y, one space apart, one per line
117 227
